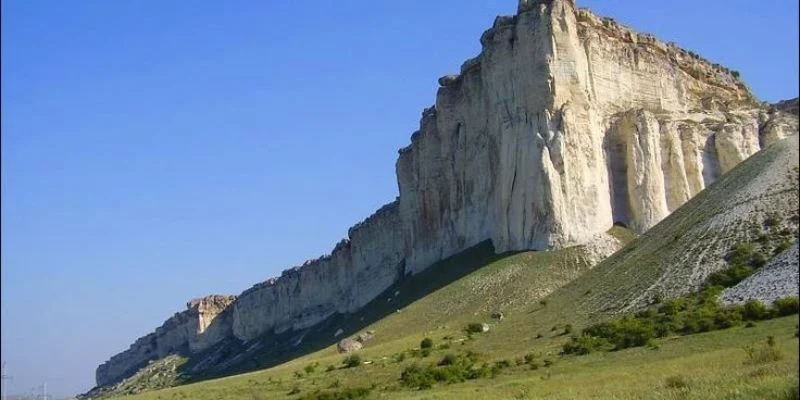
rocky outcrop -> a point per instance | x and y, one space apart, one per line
204 322
564 124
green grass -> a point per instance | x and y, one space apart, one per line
702 366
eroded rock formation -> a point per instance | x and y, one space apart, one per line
204 322
564 124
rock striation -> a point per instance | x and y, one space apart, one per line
563 125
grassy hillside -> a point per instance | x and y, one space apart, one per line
545 296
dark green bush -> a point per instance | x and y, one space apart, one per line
586 344
474 327
451 369
342 394
310 368
730 276
352 361
529 358
448 359
786 306
426 343
755 310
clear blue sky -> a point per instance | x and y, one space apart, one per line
157 151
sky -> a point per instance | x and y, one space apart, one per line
153 152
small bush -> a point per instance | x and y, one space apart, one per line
586 344
786 306
676 382
448 359
750 324
755 310
730 276
310 368
451 369
426 343
567 329
352 361
342 394
529 358
548 362
425 353
474 327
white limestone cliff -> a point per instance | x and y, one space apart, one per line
204 322
564 124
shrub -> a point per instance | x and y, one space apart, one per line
474 327
426 343
624 333
451 369
529 358
730 276
352 361
310 368
448 359
676 382
330 368
735 74
755 310
786 306
585 344
548 362
674 306
750 324
342 394
416 377
567 329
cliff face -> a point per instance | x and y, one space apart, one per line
564 124
204 322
